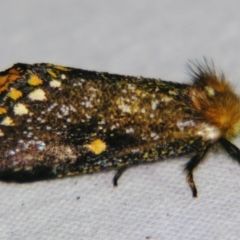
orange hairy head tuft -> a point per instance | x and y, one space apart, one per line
214 97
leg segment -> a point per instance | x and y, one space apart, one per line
191 165
232 150
118 175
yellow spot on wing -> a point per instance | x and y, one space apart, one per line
37 95
15 94
34 80
138 92
1 133
97 146
52 73
9 78
3 110
61 68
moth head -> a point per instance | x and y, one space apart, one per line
215 98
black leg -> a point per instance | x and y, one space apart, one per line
118 175
191 165
232 150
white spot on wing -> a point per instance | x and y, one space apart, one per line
37 95
112 127
131 87
154 104
51 107
123 106
102 122
55 84
63 76
208 132
72 108
153 134
20 109
166 99
64 109
129 130
7 121
181 125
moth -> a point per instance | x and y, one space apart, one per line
58 121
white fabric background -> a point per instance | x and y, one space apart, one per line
135 37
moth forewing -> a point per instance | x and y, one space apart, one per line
57 121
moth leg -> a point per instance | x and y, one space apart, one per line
190 166
232 150
118 175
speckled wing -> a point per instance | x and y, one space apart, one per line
57 121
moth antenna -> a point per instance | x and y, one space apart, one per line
198 70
